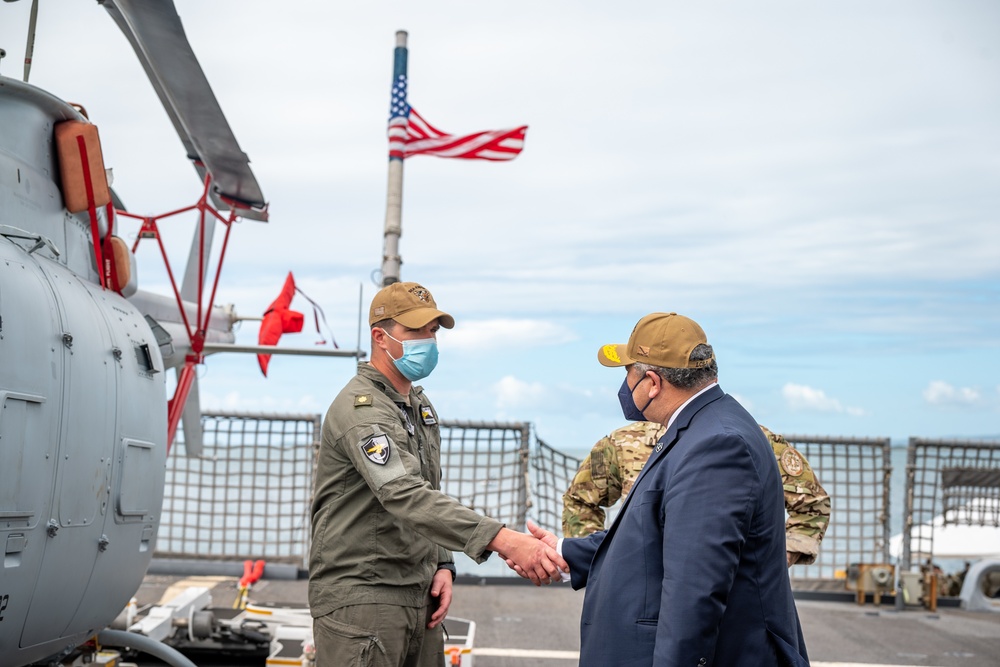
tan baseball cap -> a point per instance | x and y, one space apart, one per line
410 304
659 339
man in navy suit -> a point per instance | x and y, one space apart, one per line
692 572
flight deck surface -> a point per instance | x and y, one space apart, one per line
520 625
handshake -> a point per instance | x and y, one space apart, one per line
533 556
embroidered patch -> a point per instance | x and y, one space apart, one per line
611 353
642 350
379 311
427 415
363 399
376 449
421 293
791 462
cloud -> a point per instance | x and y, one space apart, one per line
234 401
939 392
503 332
806 196
802 397
512 393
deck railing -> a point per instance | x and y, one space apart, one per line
248 496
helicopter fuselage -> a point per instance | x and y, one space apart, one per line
82 406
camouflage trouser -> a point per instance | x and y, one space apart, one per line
377 635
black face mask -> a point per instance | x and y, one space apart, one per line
629 408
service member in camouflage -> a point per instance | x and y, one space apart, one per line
380 569
608 472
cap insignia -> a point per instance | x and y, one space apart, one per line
611 353
379 311
642 350
421 293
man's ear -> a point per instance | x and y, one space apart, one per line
655 385
378 336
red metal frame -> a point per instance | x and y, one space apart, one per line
107 273
196 336
88 184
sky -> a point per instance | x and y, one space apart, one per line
817 184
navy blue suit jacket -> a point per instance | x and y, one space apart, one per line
693 570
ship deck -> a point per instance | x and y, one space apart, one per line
520 625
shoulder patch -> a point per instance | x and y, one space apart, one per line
427 415
791 462
363 399
376 448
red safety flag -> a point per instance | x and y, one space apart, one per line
279 319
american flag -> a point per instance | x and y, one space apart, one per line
410 134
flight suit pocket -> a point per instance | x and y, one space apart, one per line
348 645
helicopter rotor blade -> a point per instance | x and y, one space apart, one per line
154 29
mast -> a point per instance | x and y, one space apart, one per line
391 260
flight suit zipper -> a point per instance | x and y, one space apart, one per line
413 432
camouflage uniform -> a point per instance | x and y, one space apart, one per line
608 472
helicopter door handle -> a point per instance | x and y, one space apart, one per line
40 240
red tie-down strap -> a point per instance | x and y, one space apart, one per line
111 255
88 183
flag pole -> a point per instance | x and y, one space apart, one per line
391 260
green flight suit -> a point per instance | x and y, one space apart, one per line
381 527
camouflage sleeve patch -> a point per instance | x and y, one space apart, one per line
806 502
791 462
599 469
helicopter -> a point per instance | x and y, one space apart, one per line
85 419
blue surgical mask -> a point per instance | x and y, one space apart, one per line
419 357
629 408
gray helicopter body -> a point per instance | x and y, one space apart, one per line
82 406
84 421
